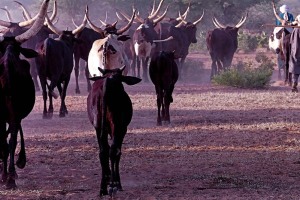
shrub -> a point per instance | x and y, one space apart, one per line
244 75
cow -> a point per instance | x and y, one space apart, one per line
222 43
81 51
144 39
108 52
183 34
110 111
163 73
14 28
55 63
17 97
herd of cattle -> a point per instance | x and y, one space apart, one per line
110 53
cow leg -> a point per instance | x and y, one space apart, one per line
295 82
12 175
87 74
34 74
63 108
133 65
21 162
115 156
159 104
4 152
76 70
181 70
44 93
138 65
104 161
145 71
213 69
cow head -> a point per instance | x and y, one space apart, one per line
108 53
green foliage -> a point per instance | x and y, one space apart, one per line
244 75
250 42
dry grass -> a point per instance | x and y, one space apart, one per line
222 143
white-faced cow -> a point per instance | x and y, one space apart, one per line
110 111
108 52
222 43
56 65
163 73
17 97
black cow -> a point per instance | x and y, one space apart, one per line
81 50
110 111
163 72
55 63
17 97
183 34
222 43
13 29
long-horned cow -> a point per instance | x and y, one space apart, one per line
108 52
17 97
110 111
56 64
222 43
16 28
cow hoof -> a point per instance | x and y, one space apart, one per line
112 191
62 114
48 116
21 162
295 90
103 192
11 184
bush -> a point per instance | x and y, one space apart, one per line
250 42
244 75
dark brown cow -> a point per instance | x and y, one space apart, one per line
110 111
55 63
17 97
222 43
163 72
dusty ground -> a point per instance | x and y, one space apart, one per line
223 143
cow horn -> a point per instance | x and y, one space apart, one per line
74 23
35 28
181 17
122 68
52 27
125 28
184 15
93 26
153 8
161 17
83 24
180 24
216 24
242 21
5 23
103 23
165 40
219 24
25 11
157 10
118 16
196 22
7 14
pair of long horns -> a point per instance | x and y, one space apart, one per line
185 22
238 25
74 32
154 12
119 32
37 25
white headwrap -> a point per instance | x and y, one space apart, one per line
284 8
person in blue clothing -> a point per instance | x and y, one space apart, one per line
288 19
285 14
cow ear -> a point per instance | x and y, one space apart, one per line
123 38
28 53
131 80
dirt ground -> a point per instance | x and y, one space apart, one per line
222 143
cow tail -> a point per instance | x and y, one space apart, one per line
103 109
21 162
